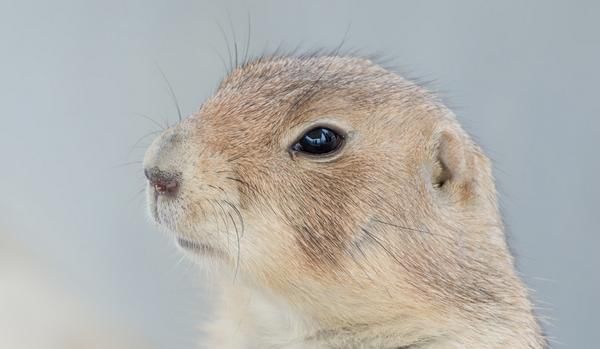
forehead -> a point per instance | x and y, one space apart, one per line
291 89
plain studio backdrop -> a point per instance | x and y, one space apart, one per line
75 76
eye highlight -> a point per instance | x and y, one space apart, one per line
319 141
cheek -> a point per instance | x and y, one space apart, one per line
326 216
303 214
269 251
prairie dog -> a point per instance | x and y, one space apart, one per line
341 206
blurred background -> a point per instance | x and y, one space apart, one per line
79 81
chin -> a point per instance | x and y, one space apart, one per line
213 262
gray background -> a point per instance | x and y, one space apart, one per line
522 76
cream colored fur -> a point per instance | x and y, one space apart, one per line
393 242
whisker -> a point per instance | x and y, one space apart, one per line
217 188
127 164
202 209
360 266
136 195
312 90
180 260
247 48
221 58
238 180
239 214
237 235
278 49
235 46
428 232
215 214
141 146
378 242
223 215
161 127
403 227
226 38
225 171
142 138
171 91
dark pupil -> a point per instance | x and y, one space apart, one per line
319 141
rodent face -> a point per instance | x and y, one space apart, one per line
237 168
396 197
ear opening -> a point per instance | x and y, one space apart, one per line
450 161
440 175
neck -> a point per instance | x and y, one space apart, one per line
266 320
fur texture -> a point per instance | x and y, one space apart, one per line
393 242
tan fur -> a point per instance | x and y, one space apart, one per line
395 242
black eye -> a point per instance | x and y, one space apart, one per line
318 141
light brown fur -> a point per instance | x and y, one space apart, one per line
396 242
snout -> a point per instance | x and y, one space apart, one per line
185 196
163 164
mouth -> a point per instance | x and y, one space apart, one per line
152 200
197 247
162 209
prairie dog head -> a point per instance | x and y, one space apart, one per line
342 187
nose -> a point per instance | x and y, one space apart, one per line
163 182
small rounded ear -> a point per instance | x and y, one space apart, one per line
453 163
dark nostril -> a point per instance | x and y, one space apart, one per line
163 182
